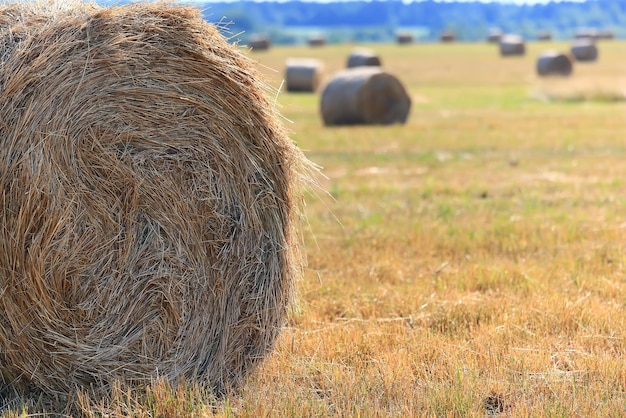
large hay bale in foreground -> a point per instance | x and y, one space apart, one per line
555 63
512 45
364 95
149 193
363 57
303 74
584 50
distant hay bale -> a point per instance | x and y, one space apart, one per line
303 74
404 38
584 50
150 197
259 42
317 40
586 33
606 34
494 35
554 63
447 36
364 95
544 35
363 57
512 45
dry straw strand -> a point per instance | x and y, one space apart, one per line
150 200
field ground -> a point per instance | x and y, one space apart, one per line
468 263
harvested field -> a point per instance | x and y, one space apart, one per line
468 262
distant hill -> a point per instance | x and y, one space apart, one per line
293 21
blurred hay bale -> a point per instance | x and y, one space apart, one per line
150 197
364 95
303 74
555 63
316 40
586 33
494 35
447 36
512 45
605 34
584 50
259 42
363 57
544 35
404 38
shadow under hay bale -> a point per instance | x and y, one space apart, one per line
363 58
303 74
364 95
259 42
512 45
554 63
150 198
584 50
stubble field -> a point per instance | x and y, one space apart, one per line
470 262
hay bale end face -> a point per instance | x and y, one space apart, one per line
584 50
303 74
363 58
150 194
364 95
556 63
512 45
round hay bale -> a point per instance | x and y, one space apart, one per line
544 35
317 40
303 74
447 36
150 196
555 63
512 45
363 58
259 42
584 50
606 34
495 35
404 38
364 95
586 33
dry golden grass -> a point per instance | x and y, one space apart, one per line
468 263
